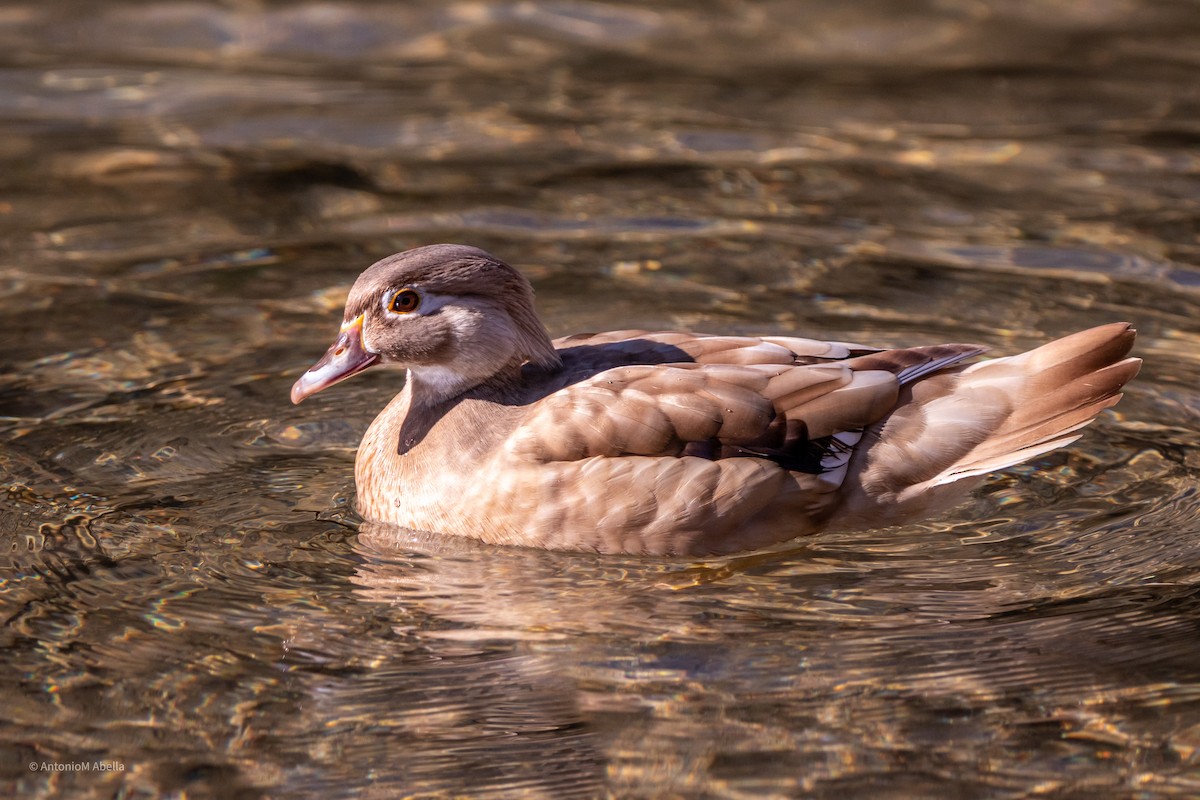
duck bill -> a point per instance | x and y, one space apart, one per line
347 356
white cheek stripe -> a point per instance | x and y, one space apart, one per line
365 344
359 324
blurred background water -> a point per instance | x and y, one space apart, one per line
189 188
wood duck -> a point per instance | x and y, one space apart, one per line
677 443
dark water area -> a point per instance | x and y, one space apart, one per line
191 608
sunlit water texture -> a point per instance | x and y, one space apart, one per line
191 607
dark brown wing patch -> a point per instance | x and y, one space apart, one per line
784 400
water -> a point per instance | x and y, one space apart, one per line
190 605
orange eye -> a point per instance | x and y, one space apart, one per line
404 301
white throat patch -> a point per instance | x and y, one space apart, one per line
441 380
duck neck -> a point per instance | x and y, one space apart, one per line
434 385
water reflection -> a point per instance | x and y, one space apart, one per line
854 655
189 189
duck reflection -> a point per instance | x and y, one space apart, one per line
792 671
469 706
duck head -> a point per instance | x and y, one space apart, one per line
453 316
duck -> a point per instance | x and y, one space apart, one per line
671 443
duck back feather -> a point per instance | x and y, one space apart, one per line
953 427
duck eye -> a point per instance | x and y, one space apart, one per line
404 301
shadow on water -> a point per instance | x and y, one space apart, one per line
190 605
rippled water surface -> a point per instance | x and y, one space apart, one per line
190 606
